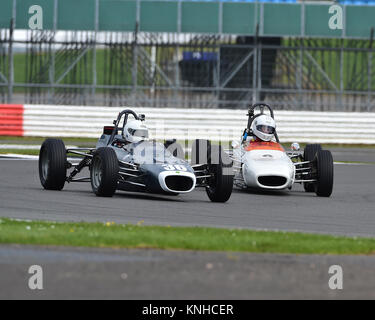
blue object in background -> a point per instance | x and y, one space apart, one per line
199 56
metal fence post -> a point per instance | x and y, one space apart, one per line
259 73
300 71
218 77
177 52
135 54
94 75
52 67
369 67
10 63
255 63
341 72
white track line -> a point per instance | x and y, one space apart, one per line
14 156
354 163
19 146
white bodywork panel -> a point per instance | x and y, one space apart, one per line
266 169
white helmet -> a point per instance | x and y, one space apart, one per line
264 127
135 131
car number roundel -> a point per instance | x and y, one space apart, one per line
174 167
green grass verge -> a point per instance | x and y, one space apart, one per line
27 152
355 162
184 238
39 140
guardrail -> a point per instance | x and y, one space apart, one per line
166 123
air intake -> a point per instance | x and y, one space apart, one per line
272 181
179 183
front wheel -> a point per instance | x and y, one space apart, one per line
52 164
104 172
324 165
220 185
309 155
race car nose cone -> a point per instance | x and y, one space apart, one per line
177 181
268 169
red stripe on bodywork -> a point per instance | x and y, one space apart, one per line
264 145
11 119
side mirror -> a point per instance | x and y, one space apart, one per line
295 146
235 144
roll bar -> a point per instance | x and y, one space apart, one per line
126 114
251 114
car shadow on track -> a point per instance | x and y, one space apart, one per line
148 196
277 193
124 194
251 191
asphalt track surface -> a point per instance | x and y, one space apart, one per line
71 273
76 273
350 210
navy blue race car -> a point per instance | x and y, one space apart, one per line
126 159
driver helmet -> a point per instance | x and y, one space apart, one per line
264 127
135 131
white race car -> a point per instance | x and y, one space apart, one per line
266 165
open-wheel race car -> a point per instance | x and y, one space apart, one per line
126 159
261 162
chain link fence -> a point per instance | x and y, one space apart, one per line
185 70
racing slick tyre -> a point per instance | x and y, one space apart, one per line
104 172
52 164
175 149
220 166
324 165
309 155
200 151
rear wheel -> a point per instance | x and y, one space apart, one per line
220 186
324 165
309 155
104 172
200 151
218 165
175 149
52 164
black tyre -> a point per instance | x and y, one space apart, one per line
52 164
175 149
309 154
200 151
324 165
220 186
104 172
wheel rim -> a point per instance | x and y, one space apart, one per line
45 164
96 173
